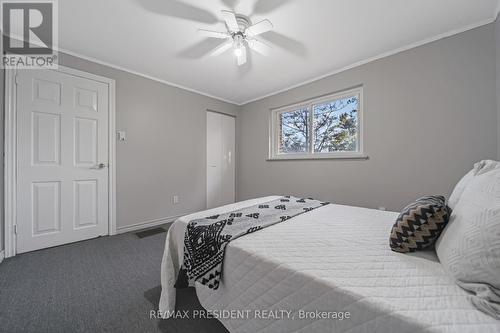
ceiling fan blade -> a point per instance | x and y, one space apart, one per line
267 6
242 58
213 34
179 9
259 46
244 7
230 19
259 28
222 48
291 45
230 3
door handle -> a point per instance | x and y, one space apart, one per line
99 166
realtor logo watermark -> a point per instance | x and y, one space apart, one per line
29 34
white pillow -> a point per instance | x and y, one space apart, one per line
479 167
469 247
459 189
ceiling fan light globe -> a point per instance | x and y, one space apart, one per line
237 52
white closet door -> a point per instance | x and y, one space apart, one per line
220 159
228 169
214 161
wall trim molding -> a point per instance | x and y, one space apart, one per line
377 57
9 163
146 76
343 69
148 224
2 256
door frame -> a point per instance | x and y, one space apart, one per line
10 154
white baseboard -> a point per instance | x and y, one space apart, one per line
147 224
2 255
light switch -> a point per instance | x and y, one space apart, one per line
121 135
175 199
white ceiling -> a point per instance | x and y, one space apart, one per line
311 38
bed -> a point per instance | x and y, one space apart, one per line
328 262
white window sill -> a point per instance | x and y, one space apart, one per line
292 157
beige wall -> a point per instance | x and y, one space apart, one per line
429 114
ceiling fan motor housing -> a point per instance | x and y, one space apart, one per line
243 22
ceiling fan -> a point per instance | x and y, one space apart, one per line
240 34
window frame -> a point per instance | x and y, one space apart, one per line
274 122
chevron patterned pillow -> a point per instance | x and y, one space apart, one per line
419 224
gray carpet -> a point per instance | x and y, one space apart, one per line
107 284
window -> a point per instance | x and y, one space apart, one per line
328 127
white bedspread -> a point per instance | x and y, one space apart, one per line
333 259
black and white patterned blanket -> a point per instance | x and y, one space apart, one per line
206 239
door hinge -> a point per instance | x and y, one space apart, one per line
15 229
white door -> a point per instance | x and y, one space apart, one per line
220 159
228 163
62 159
214 160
